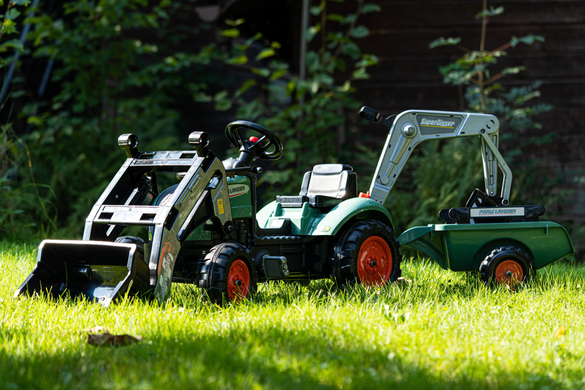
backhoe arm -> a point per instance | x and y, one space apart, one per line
412 127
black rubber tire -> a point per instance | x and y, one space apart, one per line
348 246
215 271
134 240
163 195
488 266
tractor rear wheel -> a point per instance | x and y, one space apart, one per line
134 240
228 274
507 265
367 253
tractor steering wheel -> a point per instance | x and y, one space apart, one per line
256 147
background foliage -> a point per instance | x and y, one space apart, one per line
447 172
111 82
311 115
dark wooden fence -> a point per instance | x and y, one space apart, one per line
407 75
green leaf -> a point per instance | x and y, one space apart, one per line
360 32
324 79
250 111
491 12
264 72
315 10
346 87
202 97
444 42
231 33
349 19
352 50
336 38
360 73
265 54
234 23
514 70
367 8
278 74
290 87
314 87
367 60
13 43
239 60
12 14
312 31
246 86
528 40
20 2
312 60
223 105
254 38
335 17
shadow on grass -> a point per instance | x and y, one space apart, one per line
271 358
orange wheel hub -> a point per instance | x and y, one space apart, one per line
509 272
374 262
238 282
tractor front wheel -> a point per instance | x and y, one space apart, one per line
228 274
507 265
367 253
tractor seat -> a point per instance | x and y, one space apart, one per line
324 187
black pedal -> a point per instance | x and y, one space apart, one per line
275 267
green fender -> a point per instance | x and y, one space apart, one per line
354 208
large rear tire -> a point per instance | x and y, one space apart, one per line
368 254
228 274
507 265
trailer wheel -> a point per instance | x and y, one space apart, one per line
507 265
367 253
228 274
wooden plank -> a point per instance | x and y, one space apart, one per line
397 42
426 68
448 14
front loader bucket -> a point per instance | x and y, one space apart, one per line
95 269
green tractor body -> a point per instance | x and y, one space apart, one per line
206 229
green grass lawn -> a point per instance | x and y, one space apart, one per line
444 330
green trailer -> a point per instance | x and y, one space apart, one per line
508 252
504 243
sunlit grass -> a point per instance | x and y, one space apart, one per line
442 330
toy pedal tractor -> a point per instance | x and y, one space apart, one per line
206 229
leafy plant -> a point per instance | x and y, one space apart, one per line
110 83
10 27
12 217
479 78
307 113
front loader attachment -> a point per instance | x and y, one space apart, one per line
101 269
98 270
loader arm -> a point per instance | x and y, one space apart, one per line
101 269
409 128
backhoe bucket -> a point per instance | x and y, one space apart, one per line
95 269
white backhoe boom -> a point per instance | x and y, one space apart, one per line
412 127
